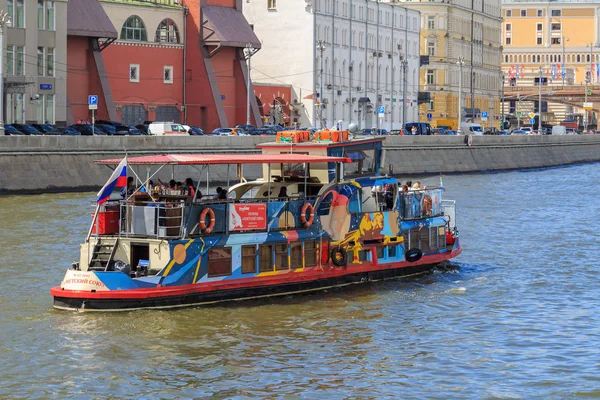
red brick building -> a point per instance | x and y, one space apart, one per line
162 60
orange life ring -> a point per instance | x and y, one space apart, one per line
307 222
427 205
211 214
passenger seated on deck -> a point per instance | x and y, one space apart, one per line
282 196
189 185
128 190
218 194
223 194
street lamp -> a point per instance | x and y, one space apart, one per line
404 65
563 72
249 52
540 101
321 46
4 21
503 77
460 63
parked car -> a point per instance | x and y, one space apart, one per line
438 131
423 128
86 130
110 129
519 132
143 128
399 132
277 128
107 122
69 131
27 129
491 131
527 129
123 130
470 128
264 132
194 130
166 128
366 131
46 129
247 128
12 131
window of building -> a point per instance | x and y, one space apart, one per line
271 4
508 27
10 60
539 27
17 17
167 32
431 22
10 9
50 61
40 110
523 13
40 61
430 105
539 40
431 48
49 111
430 76
50 15
554 40
509 13
15 107
168 74
296 254
134 29
281 256
40 16
540 13
265 258
310 253
507 40
556 13
555 26
19 60
134 72
219 262
248 259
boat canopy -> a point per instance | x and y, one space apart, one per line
222 159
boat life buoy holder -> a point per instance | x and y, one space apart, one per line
307 208
413 255
427 205
339 256
211 224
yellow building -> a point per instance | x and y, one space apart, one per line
460 29
547 34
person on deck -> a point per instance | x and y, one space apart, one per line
128 190
217 196
283 194
189 184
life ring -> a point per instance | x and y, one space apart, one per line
427 205
307 222
339 256
211 214
413 255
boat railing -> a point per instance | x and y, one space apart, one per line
419 204
152 219
449 209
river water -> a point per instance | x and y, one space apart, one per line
517 315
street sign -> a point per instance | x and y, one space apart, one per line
484 115
531 115
93 106
92 100
519 113
588 106
381 111
589 92
429 116
532 121
45 86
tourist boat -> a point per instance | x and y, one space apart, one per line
338 222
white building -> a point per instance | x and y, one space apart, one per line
366 43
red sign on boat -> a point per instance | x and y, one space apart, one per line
244 217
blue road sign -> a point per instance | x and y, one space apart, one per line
532 121
92 99
429 116
381 110
484 114
45 86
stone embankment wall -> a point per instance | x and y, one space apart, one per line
55 163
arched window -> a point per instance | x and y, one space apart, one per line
134 29
167 32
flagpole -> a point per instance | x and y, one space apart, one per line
87 239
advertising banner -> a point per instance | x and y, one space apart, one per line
244 217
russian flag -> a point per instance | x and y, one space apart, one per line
117 179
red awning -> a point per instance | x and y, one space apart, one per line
221 159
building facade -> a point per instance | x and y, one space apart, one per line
35 57
162 60
561 37
343 59
468 30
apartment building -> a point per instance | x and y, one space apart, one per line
467 30
35 61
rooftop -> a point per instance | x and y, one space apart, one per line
148 3
224 159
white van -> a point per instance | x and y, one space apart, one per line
559 130
166 128
469 128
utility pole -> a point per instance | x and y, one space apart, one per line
321 48
249 52
563 72
460 63
540 102
404 65
585 115
4 21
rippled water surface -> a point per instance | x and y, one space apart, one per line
516 316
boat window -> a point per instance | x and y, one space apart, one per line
363 162
392 251
369 199
325 204
364 255
281 254
219 262
265 258
354 204
296 254
310 253
248 259
380 252
425 240
298 170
